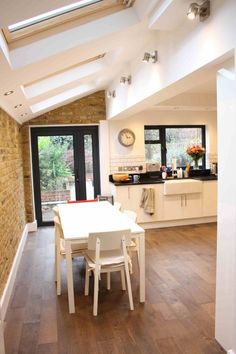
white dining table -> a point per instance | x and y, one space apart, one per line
78 220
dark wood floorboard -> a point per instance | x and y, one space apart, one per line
177 318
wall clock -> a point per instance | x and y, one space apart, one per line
126 137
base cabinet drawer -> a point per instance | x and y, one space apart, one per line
209 198
130 197
182 206
169 207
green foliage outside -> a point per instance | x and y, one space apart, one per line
55 161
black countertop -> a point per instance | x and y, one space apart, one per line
206 178
130 183
158 181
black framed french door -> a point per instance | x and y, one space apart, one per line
65 162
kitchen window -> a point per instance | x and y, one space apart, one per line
163 143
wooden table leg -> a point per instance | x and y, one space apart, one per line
69 273
142 267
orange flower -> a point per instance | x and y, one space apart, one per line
196 151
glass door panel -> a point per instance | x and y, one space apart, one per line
65 167
89 173
56 172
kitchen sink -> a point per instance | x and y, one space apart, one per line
182 186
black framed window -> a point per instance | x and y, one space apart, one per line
164 143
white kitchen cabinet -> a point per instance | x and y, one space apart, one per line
182 206
171 206
209 198
130 196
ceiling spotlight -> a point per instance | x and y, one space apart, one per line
125 80
111 94
24 114
8 93
203 10
148 56
128 3
18 106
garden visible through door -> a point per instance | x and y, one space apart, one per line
65 167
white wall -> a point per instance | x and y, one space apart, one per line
192 46
137 122
104 156
226 238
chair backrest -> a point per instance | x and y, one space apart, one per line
117 205
108 198
58 228
131 214
81 201
109 240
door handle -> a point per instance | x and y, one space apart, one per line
77 175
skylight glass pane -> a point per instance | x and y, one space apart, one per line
51 14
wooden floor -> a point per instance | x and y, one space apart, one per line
177 318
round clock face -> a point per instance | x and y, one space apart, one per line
126 137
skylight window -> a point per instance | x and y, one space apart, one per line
51 14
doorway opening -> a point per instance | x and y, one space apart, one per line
65 164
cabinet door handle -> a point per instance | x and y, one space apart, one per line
128 192
185 200
181 200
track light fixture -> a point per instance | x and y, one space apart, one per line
203 10
111 94
125 80
148 56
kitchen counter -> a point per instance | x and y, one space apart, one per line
206 178
130 183
158 181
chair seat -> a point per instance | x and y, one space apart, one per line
107 258
75 248
132 244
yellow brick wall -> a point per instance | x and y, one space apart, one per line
87 110
12 210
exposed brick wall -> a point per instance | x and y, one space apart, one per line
12 210
55 196
87 110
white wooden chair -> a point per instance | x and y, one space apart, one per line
117 205
77 251
134 246
107 253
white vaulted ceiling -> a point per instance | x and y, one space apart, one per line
50 68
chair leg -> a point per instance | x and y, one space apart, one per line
137 243
87 275
129 286
55 269
122 275
108 281
58 271
95 295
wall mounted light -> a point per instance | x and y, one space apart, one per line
150 57
202 10
8 93
125 80
111 94
18 105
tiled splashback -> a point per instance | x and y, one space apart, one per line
211 157
131 164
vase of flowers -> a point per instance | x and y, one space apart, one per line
196 152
